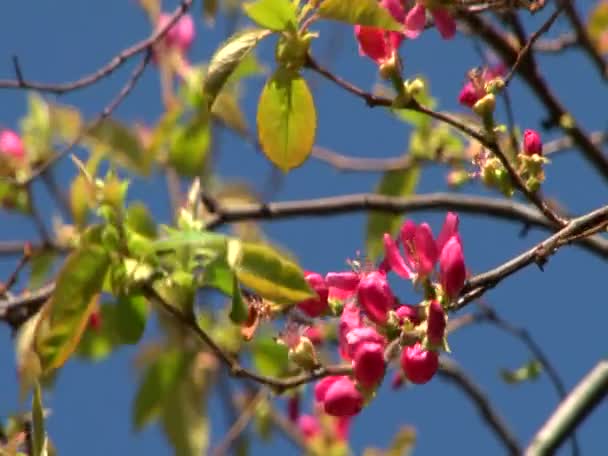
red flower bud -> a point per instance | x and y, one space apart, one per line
436 323
369 364
452 270
358 336
314 307
181 34
407 312
309 426
349 320
95 320
342 398
419 365
322 386
11 144
469 95
375 297
314 334
533 145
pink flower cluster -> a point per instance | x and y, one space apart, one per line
372 317
381 45
474 90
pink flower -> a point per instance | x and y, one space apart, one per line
322 386
341 285
474 90
309 426
369 364
314 307
181 35
436 323
452 270
358 336
314 334
533 145
375 296
342 398
349 320
380 45
419 365
415 21
449 229
407 312
11 144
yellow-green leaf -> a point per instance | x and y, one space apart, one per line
269 357
287 119
529 371
190 144
238 311
268 273
361 12
393 183
121 145
227 58
67 312
277 15
38 432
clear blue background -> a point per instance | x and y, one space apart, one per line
565 307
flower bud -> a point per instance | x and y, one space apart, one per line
313 307
358 336
181 34
452 270
308 426
485 106
419 365
11 144
304 354
322 386
95 320
315 335
532 143
342 398
375 297
408 313
469 95
369 364
436 323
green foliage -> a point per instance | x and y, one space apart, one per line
189 145
393 183
38 432
239 310
227 58
529 371
362 12
277 15
287 119
66 314
269 357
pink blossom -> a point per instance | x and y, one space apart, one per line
11 144
309 426
474 89
436 323
181 34
419 365
349 320
452 270
342 285
323 385
420 251
314 334
380 45
415 21
314 307
533 145
449 229
342 398
407 312
375 296
369 364
361 335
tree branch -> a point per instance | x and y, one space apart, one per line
106 70
451 372
571 412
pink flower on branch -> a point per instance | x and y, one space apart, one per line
419 365
378 44
415 20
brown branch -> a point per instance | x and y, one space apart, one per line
538 254
345 163
583 399
13 248
116 62
235 368
489 142
583 39
12 279
451 372
553 45
530 74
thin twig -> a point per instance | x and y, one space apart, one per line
583 399
450 371
106 70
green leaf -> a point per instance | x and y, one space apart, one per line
139 219
393 183
269 357
227 110
361 12
38 437
120 144
67 312
286 119
226 59
277 15
131 315
213 244
158 381
268 273
41 265
529 371
239 310
190 144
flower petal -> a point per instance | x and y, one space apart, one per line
394 258
444 22
415 20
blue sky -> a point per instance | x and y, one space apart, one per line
564 307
